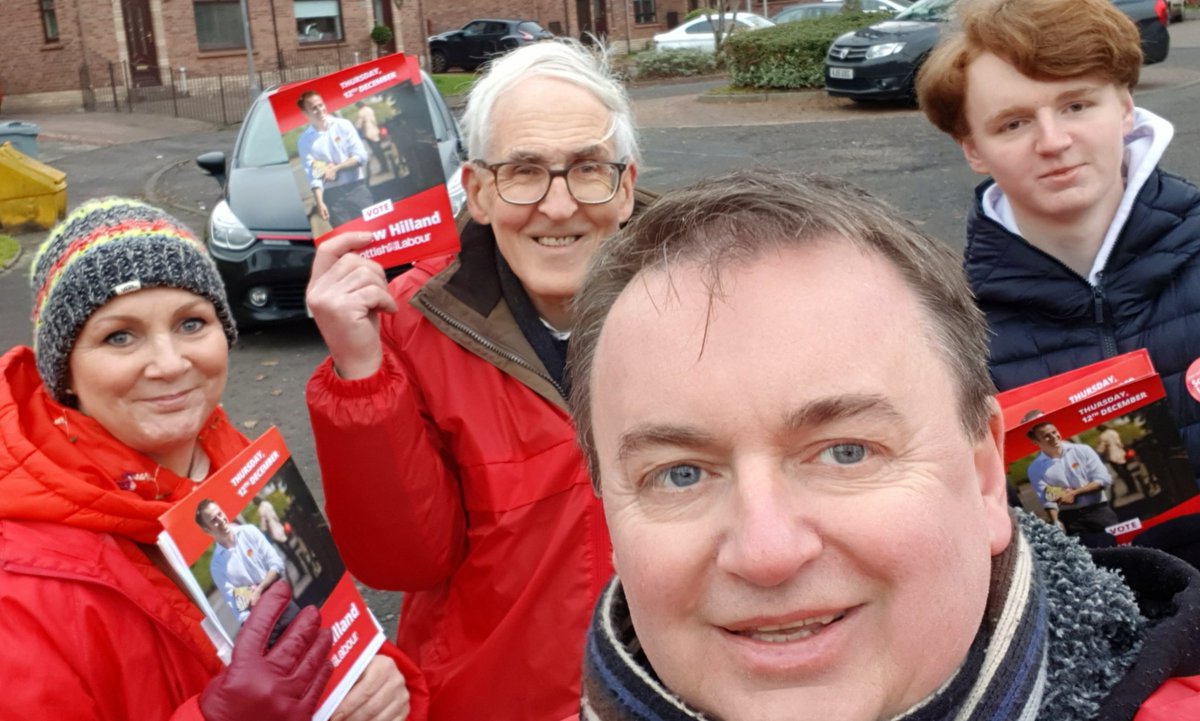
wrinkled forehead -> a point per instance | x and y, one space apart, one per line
549 120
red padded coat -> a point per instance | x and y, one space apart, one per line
90 628
452 474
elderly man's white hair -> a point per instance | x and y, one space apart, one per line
566 60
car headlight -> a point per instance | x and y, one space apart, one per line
882 51
226 231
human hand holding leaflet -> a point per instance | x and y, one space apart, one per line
346 294
379 695
277 684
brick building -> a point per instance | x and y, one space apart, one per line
60 52
71 52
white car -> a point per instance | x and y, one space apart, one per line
697 33
808 11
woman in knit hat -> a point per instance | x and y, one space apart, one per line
110 418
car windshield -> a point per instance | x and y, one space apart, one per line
935 10
531 27
757 22
260 142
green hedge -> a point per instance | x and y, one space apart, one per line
790 55
674 63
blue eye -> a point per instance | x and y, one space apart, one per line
844 454
192 325
680 476
119 338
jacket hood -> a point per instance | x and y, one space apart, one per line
58 465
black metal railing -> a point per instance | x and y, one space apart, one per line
217 95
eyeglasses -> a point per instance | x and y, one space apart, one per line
591 182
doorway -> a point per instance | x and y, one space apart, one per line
139 40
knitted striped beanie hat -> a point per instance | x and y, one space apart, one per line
104 248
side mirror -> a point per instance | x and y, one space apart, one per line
213 163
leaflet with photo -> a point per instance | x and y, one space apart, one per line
365 157
254 522
1105 422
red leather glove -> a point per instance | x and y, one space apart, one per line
280 684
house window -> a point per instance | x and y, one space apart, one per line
318 21
219 24
49 20
643 11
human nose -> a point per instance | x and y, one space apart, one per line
769 538
167 357
558 201
1052 137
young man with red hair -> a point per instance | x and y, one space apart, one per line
1079 246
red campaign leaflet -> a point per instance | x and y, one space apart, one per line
1073 386
261 520
364 157
1117 408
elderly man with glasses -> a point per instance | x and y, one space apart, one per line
446 451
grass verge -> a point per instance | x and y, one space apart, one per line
8 249
453 83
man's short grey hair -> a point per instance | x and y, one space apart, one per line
566 60
737 219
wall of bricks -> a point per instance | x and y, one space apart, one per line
30 64
32 67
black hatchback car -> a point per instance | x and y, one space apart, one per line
880 62
478 41
258 232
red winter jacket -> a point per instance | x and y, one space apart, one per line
452 474
90 629
1176 700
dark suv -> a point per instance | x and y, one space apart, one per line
880 62
479 41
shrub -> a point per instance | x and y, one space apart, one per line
675 63
790 55
381 35
698 12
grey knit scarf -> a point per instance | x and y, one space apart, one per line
1058 633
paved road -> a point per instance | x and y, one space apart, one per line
891 151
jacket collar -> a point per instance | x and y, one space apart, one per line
1157 240
466 303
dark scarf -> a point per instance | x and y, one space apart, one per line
1016 670
550 350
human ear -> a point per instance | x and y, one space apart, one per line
993 483
479 203
625 192
1126 112
971 153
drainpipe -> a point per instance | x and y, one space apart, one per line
627 6
275 32
85 72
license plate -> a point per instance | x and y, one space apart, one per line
842 73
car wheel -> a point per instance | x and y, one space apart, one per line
437 61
